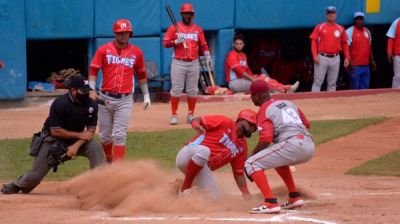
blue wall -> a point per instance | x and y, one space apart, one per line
22 20
12 50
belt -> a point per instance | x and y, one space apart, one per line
329 55
115 95
185 59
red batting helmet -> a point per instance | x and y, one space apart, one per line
123 25
187 7
248 115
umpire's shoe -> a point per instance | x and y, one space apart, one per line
10 189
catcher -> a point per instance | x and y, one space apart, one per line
220 141
62 137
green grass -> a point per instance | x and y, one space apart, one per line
387 165
161 146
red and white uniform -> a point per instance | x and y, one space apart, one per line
194 39
118 68
235 65
393 50
359 45
329 38
221 139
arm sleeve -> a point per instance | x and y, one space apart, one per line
349 33
390 46
93 71
92 122
267 131
304 119
97 61
170 37
392 30
202 42
237 163
140 66
345 45
314 41
56 114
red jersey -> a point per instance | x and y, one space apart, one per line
194 39
329 38
118 69
236 65
220 137
279 120
359 45
393 35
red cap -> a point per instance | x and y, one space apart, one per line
259 86
187 7
248 115
123 25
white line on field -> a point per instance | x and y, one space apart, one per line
275 218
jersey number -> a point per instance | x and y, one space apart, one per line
289 115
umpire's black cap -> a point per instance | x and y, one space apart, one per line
79 82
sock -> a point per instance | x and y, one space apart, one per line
287 177
191 104
174 104
262 183
108 151
119 152
191 172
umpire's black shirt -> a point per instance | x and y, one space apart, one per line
70 115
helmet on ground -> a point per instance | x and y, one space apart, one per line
123 25
187 7
248 115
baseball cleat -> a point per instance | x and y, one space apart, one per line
184 193
189 118
10 189
292 203
173 120
266 208
294 87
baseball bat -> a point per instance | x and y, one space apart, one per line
173 20
210 74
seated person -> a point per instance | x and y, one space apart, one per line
239 75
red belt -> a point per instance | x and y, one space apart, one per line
185 59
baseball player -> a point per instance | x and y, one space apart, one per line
281 122
393 51
239 75
185 69
120 61
219 141
359 40
72 121
327 40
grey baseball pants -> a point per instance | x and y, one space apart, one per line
183 72
396 70
328 67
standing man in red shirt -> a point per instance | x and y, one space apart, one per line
328 39
393 51
219 141
359 39
185 69
120 61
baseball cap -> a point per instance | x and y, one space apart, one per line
79 82
259 86
330 9
358 14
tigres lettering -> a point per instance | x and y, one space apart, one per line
112 59
230 145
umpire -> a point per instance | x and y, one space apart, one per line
65 125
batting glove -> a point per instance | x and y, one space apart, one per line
179 40
146 101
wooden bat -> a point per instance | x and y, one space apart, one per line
210 76
173 20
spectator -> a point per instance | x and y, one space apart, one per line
327 40
393 51
359 39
